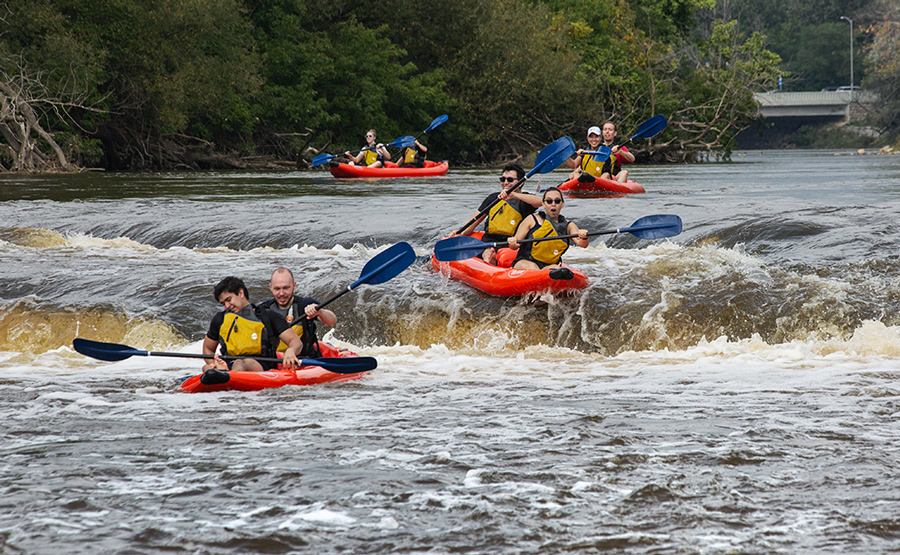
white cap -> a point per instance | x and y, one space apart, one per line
594 131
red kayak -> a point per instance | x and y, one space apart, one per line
255 381
601 186
390 170
508 282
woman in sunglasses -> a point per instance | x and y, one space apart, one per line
505 216
374 154
549 223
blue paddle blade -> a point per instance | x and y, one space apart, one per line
437 121
655 227
386 265
552 156
322 159
105 351
651 128
339 365
461 247
403 142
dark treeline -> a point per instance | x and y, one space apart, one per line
168 84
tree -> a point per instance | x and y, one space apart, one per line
515 81
883 68
718 91
46 79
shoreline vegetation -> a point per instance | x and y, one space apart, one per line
239 84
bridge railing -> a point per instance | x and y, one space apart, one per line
811 104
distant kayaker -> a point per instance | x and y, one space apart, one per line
504 217
587 166
548 223
300 312
585 163
243 329
413 155
374 154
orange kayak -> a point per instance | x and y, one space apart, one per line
255 381
390 170
601 186
508 282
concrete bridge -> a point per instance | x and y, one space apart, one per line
810 104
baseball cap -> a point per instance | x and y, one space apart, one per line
594 130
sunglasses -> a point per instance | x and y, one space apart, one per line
508 179
369 135
553 200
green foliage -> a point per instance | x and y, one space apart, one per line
513 74
817 56
339 79
809 35
516 82
720 89
39 46
183 67
883 64
519 78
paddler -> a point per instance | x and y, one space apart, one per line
548 223
612 168
374 154
300 312
244 329
503 218
587 166
585 163
413 156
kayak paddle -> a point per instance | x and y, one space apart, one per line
437 121
113 352
650 128
547 160
402 142
464 247
383 266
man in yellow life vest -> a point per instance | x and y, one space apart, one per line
413 155
374 154
585 163
243 329
549 223
501 221
301 313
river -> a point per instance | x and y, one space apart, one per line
732 389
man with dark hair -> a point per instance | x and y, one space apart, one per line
503 217
245 330
301 313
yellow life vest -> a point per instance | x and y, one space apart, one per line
504 219
592 166
282 346
371 157
612 166
242 336
410 156
548 252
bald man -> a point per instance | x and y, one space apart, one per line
300 312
